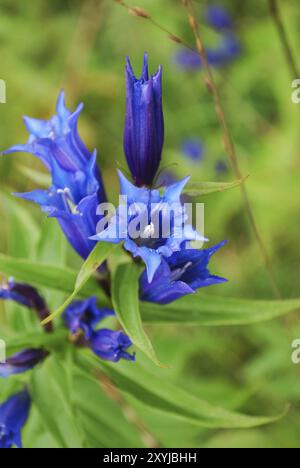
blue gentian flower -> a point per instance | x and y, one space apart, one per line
193 149
77 186
179 275
85 315
141 223
27 296
111 345
22 362
106 344
218 17
13 415
144 124
228 50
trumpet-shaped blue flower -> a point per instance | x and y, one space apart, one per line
152 226
111 345
13 415
22 361
179 275
77 186
85 315
144 124
107 344
218 17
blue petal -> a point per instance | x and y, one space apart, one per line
111 345
13 415
162 290
173 192
134 194
151 258
85 315
36 127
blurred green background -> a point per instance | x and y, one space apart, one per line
81 46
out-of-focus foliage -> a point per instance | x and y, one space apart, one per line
81 46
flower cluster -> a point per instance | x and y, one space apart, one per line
77 188
228 49
173 268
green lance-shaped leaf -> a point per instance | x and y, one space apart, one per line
198 309
49 276
98 255
160 394
125 297
197 189
50 390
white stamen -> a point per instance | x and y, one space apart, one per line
67 197
149 230
177 274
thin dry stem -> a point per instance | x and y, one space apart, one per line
136 11
228 141
130 414
286 47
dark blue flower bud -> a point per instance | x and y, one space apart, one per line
144 124
22 362
27 296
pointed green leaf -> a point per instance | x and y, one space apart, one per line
157 392
204 310
98 255
50 390
197 189
125 297
49 276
